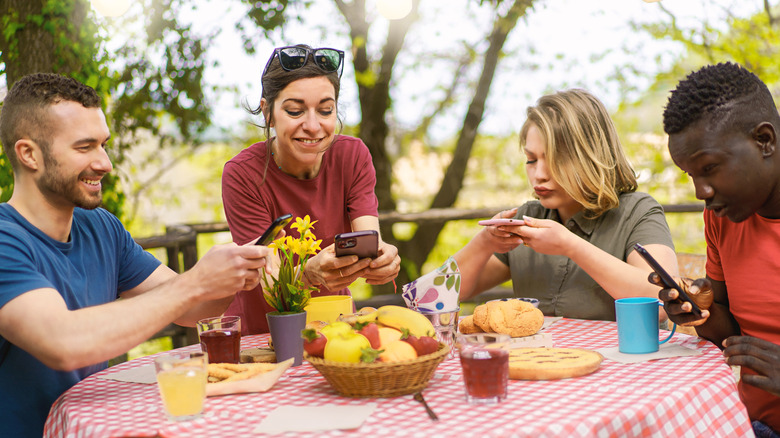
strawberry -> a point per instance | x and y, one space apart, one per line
371 332
314 342
426 345
422 345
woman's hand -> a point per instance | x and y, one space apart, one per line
385 267
502 238
547 236
334 273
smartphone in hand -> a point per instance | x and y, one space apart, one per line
667 279
276 226
364 244
501 221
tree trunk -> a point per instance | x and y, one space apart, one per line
374 97
31 48
417 249
374 91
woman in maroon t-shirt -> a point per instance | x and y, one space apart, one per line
304 168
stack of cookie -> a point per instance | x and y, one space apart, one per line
230 372
515 318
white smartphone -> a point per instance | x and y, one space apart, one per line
501 221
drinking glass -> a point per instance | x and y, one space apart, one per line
446 326
220 337
485 361
181 378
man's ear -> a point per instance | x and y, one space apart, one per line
766 138
28 153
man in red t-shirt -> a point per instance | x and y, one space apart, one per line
723 131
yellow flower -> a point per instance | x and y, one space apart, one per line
303 225
310 246
286 291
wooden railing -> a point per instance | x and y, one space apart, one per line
181 240
181 244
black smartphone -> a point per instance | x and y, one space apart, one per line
277 225
667 279
364 244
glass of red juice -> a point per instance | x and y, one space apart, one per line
485 361
220 338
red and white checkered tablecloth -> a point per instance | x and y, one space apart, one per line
692 396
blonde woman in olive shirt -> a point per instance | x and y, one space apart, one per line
575 250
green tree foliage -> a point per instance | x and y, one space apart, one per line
51 35
154 85
753 42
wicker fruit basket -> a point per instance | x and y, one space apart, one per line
380 379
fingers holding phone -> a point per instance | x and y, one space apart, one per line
503 231
334 273
698 291
385 267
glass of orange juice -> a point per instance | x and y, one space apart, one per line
181 378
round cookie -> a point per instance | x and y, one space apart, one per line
466 325
481 318
515 318
551 363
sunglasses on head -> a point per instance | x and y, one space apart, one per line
294 57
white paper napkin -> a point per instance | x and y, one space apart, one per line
142 374
665 351
318 418
550 320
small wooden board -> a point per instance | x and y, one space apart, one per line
260 354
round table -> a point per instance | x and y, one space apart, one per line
682 396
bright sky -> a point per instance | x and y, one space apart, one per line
553 48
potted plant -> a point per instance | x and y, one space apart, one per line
286 292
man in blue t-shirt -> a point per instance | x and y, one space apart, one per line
64 262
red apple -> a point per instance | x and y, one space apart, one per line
314 342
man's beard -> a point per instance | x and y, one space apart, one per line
55 183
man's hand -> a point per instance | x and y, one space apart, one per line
760 356
226 269
700 291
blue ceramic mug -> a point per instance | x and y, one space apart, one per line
637 323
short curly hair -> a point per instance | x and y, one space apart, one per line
25 113
727 93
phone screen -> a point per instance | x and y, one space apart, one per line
666 279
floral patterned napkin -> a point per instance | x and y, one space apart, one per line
436 291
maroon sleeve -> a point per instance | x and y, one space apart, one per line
245 210
361 198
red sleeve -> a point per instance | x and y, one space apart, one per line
245 211
711 234
361 198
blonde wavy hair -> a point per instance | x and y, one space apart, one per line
582 148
